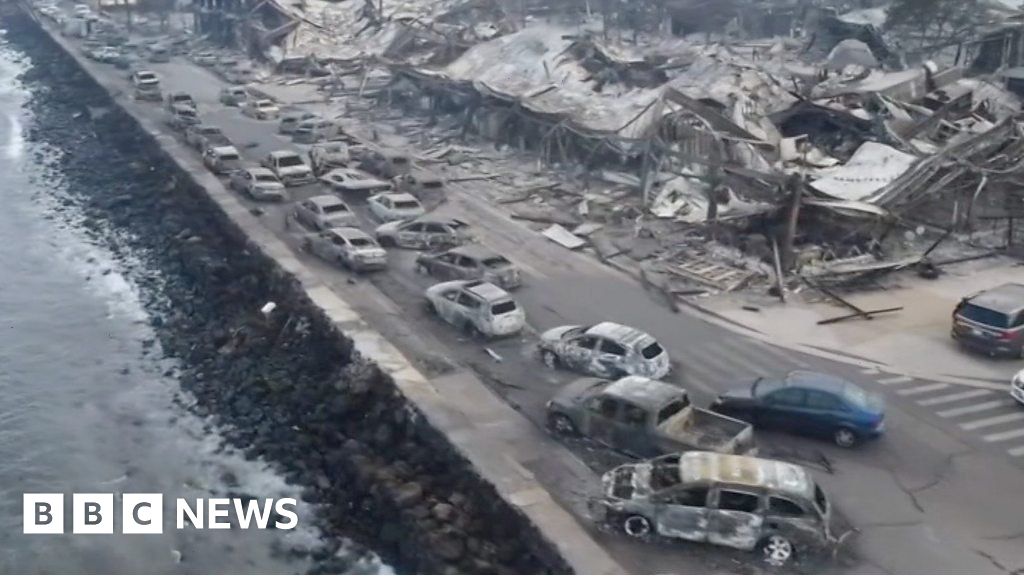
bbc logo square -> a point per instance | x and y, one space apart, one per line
43 513
142 514
92 514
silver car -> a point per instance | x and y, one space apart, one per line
606 350
352 180
424 233
470 262
476 307
233 96
290 120
391 206
222 159
736 501
350 247
289 167
258 184
325 212
260 109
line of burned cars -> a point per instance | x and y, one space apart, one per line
704 481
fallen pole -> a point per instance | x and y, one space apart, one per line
866 314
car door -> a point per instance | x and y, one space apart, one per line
435 235
466 268
632 432
443 266
468 307
735 518
599 423
378 207
578 352
782 409
611 359
321 245
409 234
822 413
341 249
307 214
682 513
447 306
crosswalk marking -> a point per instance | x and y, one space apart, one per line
1000 436
894 380
1018 451
972 409
922 389
992 421
954 397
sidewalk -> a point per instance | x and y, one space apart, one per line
913 341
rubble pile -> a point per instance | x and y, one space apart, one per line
793 133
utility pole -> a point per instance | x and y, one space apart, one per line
795 185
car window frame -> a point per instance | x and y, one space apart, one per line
724 489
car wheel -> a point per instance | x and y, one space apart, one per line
777 550
844 437
429 306
550 359
561 425
636 526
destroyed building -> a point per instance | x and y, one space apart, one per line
790 124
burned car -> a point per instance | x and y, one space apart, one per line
350 247
233 95
645 418
327 156
471 262
390 206
737 501
352 180
606 350
258 183
204 136
182 116
175 99
288 167
476 307
418 181
222 159
325 212
424 233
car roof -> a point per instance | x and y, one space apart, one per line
1007 298
486 290
780 477
225 150
398 196
207 128
326 200
644 392
817 381
618 332
349 232
475 251
280 153
261 171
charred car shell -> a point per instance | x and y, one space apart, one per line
736 501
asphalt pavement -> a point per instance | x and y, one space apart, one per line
936 494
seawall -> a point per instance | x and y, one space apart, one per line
312 387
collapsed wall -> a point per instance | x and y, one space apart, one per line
287 387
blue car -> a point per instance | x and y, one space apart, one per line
808 403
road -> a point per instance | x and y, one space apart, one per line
931 496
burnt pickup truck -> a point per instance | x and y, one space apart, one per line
644 417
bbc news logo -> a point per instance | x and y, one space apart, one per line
144 513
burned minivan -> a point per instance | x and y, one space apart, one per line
736 501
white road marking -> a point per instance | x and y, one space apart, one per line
992 421
922 389
972 409
1018 451
1000 436
869 370
894 380
953 397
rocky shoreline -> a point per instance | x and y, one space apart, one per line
286 387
